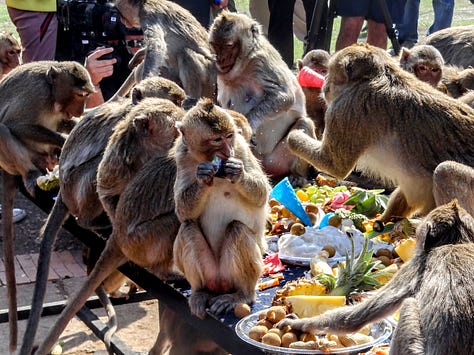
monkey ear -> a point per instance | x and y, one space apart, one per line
51 74
299 62
180 127
405 54
143 125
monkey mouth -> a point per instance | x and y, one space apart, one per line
224 69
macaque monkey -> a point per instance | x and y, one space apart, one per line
468 98
79 161
458 81
425 62
220 194
176 44
456 45
145 224
137 138
10 53
50 93
431 290
317 60
405 128
254 80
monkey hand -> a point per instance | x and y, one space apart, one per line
292 321
233 169
205 173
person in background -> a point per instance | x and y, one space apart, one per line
408 27
37 25
201 9
353 14
280 26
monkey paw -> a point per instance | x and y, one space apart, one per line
30 181
205 173
222 303
198 303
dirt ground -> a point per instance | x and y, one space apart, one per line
137 322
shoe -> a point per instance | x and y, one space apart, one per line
18 214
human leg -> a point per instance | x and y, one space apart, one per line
349 31
443 15
408 28
200 9
38 33
376 34
280 28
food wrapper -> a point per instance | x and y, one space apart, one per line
50 181
307 77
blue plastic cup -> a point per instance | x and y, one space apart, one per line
284 193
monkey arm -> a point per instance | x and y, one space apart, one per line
156 52
37 134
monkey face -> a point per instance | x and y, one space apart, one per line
430 74
226 52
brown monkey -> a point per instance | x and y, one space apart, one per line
424 61
147 130
456 45
432 291
458 81
317 60
220 196
144 237
177 46
10 51
254 80
79 161
365 86
50 93
144 234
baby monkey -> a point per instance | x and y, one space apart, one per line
433 291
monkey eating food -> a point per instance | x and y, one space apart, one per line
222 218
389 126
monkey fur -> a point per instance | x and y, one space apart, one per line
405 128
10 53
254 80
50 93
147 226
433 291
456 45
79 161
222 215
176 44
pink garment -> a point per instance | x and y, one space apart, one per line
38 33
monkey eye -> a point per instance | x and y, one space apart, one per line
435 70
229 135
422 68
83 94
13 52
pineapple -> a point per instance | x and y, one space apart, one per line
310 306
406 249
301 286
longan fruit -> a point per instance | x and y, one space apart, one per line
313 217
271 339
384 260
276 314
330 249
266 323
335 221
311 208
307 337
276 331
297 229
288 338
383 251
241 310
286 213
257 332
277 210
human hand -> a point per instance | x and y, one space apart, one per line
100 68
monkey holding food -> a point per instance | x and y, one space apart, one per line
220 194
389 126
253 79
433 291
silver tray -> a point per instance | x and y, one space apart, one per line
381 331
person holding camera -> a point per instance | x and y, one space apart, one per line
99 68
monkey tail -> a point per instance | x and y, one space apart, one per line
9 190
50 230
112 323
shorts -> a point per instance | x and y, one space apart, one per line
370 9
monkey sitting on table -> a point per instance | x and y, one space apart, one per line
253 79
220 194
405 128
433 291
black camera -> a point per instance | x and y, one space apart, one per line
112 55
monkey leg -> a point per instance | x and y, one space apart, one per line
397 206
49 232
407 338
454 180
239 253
9 189
110 259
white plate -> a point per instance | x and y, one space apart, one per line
381 331
294 260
